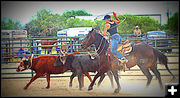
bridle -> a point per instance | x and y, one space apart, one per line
98 48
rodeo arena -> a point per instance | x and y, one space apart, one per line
46 66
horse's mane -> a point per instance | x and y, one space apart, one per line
96 33
99 36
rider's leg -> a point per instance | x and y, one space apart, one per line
114 42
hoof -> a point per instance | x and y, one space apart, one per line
70 85
116 91
47 87
90 88
25 88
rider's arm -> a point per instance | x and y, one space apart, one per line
107 26
117 19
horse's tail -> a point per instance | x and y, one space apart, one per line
162 60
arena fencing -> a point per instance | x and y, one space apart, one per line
10 46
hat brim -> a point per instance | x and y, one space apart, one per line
105 18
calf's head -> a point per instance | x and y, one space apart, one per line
24 65
61 59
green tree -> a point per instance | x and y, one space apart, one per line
9 24
81 12
45 23
173 23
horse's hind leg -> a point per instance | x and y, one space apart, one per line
157 73
146 72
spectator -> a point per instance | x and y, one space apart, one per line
39 47
137 32
58 47
21 52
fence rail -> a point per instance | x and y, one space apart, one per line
9 44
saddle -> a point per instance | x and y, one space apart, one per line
124 49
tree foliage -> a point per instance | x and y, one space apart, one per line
9 24
173 23
45 23
145 23
81 12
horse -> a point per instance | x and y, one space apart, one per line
143 55
78 64
43 65
105 62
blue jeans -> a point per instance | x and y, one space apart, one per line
115 39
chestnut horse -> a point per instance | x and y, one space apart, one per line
143 55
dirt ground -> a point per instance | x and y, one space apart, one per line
130 85
59 87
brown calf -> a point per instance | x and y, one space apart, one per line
43 65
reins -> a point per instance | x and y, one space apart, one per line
98 48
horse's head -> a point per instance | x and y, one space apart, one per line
24 64
89 39
61 59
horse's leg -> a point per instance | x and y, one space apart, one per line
146 72
92 83
33 78
101 79
71 78
115 73
110 77
157 73
48 80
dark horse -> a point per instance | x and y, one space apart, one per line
143 55
105 63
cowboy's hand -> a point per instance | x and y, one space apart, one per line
114 13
